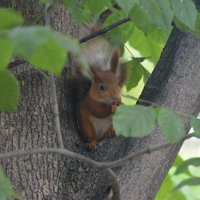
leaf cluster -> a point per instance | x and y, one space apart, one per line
43 48
139 121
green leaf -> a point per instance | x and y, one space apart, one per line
166 14
5 53
178 162
147 15
140 19
171 125
196 134
166 192
149 46
184 166
75 9
49 57
185 12
127 5
5 187
134 121
195 123
96 6
120 34
135 73
68 43
152 11
188 182
9 91
26 40
9 18
43 48
186 29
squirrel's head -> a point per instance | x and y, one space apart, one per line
105 85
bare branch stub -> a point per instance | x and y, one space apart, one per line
111 176
15 63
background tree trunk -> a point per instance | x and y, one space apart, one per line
174 82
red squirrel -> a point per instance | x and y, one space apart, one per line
98 94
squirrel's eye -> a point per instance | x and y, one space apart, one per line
101 86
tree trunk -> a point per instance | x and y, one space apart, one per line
173 84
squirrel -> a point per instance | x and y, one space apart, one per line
98 95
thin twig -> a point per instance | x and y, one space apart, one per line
104 30
54 94
140 100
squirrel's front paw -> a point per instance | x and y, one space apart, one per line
110 132
91 145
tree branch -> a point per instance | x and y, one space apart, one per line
105 166
105 30
97 164
137 154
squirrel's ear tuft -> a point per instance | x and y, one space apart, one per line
94 74
114 62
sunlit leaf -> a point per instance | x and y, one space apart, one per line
166 191
171 125
184 166
178 162
134 121
135 73
149 46
188 182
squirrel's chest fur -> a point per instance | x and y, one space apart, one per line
100 125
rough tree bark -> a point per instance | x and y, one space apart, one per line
173 84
